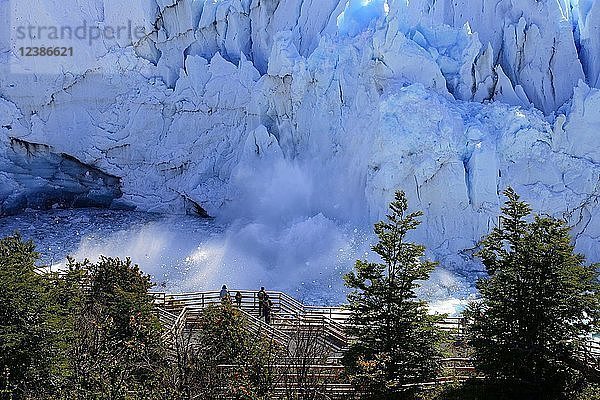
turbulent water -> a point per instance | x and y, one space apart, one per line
181 253
185 253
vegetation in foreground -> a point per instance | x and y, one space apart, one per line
93 333
539 305
398 344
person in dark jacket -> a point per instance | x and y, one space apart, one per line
224 294
238 299
268 308
262 295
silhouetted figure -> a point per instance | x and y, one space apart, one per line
262 295
268 308
238 299
224 295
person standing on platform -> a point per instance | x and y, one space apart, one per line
238 299
224 294
262 295
268 307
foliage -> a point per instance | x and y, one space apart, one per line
539 304
92 332
397 343
217 355
111 337
477 389
25 334
591 392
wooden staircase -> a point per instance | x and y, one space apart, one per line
288 315
293 324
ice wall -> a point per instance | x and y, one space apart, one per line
276 112
531 42
587 34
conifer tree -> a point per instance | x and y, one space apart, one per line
539 305
25 336
397 344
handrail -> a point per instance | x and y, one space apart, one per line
287 307
255 326
312 310
282 338
289 315
284 307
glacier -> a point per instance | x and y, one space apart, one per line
288 118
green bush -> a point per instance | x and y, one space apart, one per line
217 356
110 336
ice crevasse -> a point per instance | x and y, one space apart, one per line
281 110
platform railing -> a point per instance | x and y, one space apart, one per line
179 311
285 307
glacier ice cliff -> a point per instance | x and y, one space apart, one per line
283 111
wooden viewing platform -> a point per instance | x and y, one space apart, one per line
177 312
